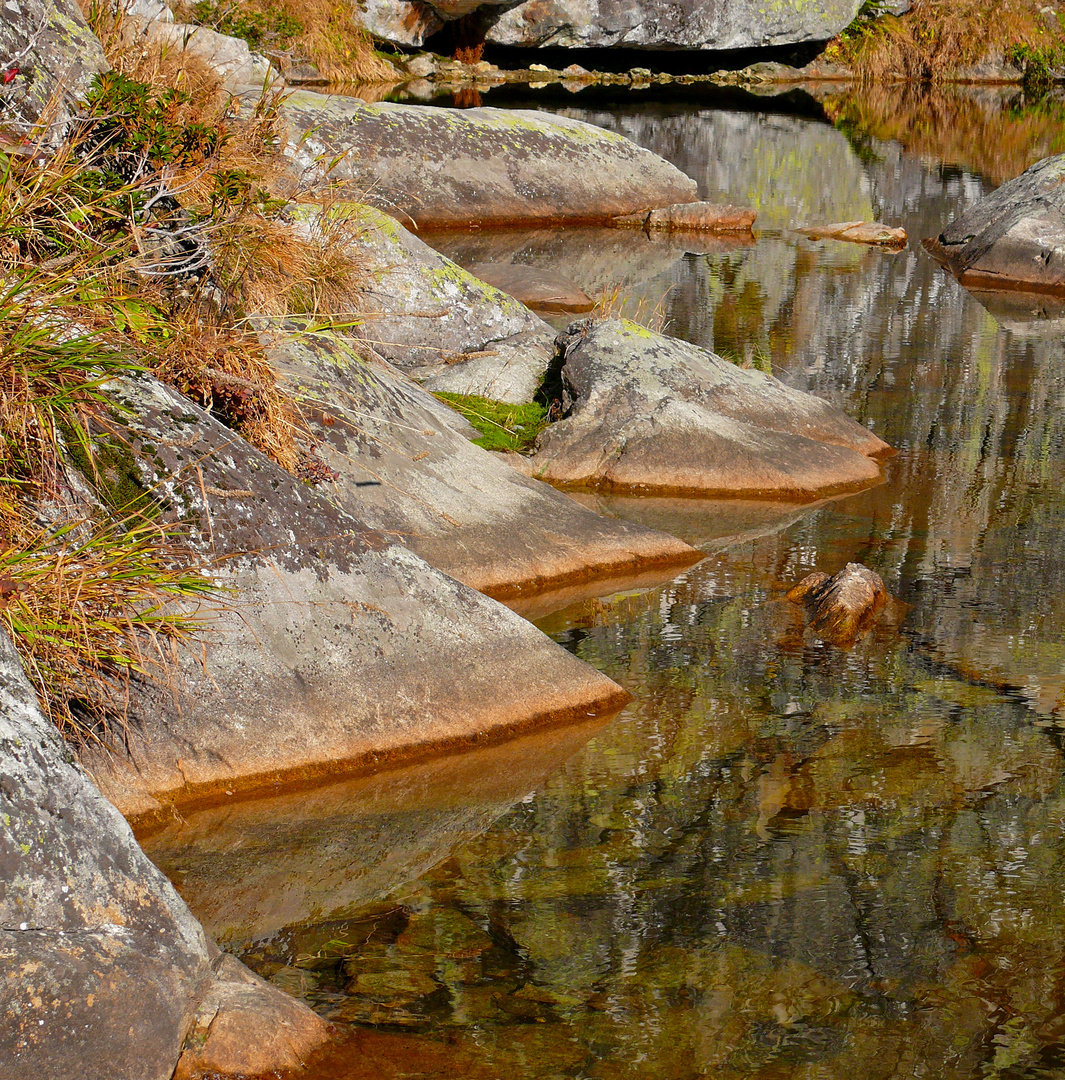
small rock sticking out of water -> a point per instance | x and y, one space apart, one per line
841 608
858 232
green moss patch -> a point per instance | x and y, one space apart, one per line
502 426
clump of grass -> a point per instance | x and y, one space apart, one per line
613 304
503 426
751 357
87 600
936 37
91 605
322 31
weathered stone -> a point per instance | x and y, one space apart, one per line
697 215
335 648
48 57
657 415
100 960
858 232
841 608
461 166
246 1027
710 24
147 9
1015 235
537 289
236 66
459 507
441 324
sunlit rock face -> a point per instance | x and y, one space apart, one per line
629 24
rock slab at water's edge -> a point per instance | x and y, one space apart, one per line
439 323
1013 237
336 647
660 416
103 969
481 166
406 468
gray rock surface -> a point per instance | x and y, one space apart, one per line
708 24
52 56
661 416
336 647
103 969
1015 235
441 324
232 60
461 508
634 24
462 166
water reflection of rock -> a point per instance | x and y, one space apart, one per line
252 868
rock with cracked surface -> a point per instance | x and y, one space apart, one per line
461 508
656 415
100 959
628 24
476 166
1014 236
48 57
336 647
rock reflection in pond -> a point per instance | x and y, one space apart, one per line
253 868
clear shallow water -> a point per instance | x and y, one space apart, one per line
783 860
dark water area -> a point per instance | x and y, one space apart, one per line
783 860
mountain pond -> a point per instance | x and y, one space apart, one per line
782 860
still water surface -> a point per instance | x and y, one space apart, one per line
783 860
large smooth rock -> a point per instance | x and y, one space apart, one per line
459 507
636 24
103 969
440 323
479 166
661 416
51 56
1016 235
336 646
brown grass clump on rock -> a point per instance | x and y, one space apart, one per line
936 38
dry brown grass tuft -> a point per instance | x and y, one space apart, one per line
938 36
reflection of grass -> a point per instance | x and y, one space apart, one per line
502 426
756 357
999 140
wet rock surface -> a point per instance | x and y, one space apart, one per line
661 416
101 960
841 608
406 467
337 646
1015 235
857 232
453 167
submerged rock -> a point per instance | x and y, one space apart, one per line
841 608
103 969
459 507
858 232
336 647
661 416
1014 236
461 166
